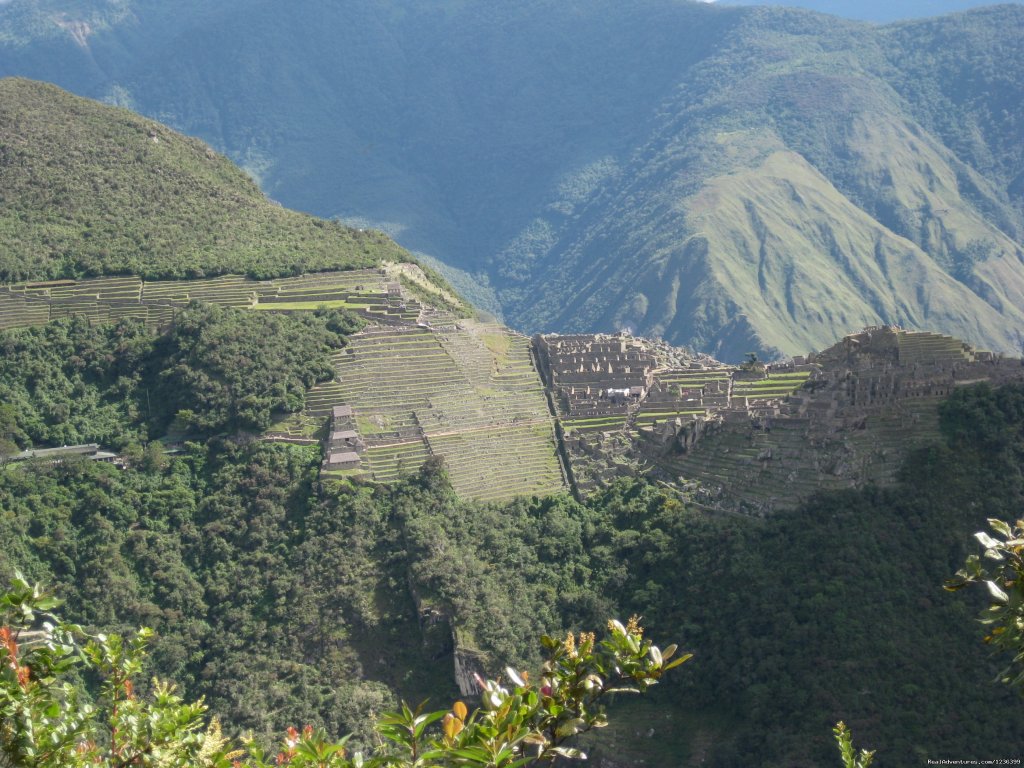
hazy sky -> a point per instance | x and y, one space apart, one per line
875 10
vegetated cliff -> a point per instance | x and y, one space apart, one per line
732 178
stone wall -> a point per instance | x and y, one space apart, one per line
873 397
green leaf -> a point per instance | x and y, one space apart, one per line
676 662
421 722
1000 527
997 594
474 754
986 541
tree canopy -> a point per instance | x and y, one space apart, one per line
51 720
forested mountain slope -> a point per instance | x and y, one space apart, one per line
89 189
734 178
284 602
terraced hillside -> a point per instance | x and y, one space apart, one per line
870 399
755 437
423 381
373 293
761 466
466 391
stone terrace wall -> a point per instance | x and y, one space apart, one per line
874 397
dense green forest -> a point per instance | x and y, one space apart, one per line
215 370
283 601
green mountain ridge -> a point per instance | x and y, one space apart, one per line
286 597
549 150
737 204
87 189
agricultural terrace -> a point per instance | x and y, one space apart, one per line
683 393
931 348
468 393
368 292
773 386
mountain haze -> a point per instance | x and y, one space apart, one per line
872 10
732 178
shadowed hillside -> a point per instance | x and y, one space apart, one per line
717 175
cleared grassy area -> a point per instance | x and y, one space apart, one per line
654 416
779 385
771 387
763 391
499 345
797 375
745 387
697 375
338 474
308 305
294 426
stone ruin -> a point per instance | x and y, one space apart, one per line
595 375
755 437
599 385
870 399
343 447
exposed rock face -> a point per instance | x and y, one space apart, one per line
687 434
441 638
468 667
